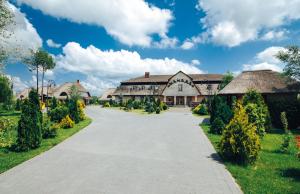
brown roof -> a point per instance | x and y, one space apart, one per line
165 78
264 81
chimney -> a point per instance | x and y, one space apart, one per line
147 74
78 81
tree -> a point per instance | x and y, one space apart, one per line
6 18
291 57
46 63
30 125
228 77
240 142
74 93
53 103
6 93
40 60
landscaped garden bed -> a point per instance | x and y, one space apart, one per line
273 172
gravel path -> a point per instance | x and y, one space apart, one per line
126 153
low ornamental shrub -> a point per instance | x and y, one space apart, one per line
157 110
164 106
58 113
288 144
239 142
49 130
217 126
106 105
74 111
201 109
7 128
67 122
81 107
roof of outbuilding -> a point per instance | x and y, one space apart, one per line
264 81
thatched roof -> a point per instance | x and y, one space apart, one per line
108 93
264 81
58 91
165 78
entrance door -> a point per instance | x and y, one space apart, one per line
180 100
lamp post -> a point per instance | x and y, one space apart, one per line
49 84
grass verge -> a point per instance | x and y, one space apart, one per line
9 159
273 172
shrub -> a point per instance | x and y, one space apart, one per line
240 142
106 104
7 128
287 145
67 122
137 104
290 105
217 126
73 111
18 105
257 111
219 109
49 131
53 103
58 113
29 126
81 107
165 106
157 110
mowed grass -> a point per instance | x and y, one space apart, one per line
9 159
273 173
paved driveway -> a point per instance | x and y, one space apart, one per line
126 153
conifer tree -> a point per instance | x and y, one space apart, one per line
240 142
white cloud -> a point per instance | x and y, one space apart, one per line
53 44
233 22
18 84
190 43
266 60
113 66
274 35
132 23
24 36
195 62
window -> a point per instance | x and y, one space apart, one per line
179 87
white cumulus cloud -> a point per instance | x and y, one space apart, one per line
24 37
131 22
233 22
266 60
111 66
53 44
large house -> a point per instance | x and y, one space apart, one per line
61 92
177 89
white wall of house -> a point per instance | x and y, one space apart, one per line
181 79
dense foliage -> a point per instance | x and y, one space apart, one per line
257 111
7 128
288 145
66 122
201 109
6 93
29 126
240 142
227 78
74 111
291 57
58 113
221 111
284 104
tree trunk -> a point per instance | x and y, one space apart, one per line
43 74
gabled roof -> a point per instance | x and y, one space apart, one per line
108 92
165 78
264 81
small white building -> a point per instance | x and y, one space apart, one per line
178 89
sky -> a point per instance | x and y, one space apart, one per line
102 42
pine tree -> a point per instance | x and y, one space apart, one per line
53 103
240 142
74 112
36 117
25 122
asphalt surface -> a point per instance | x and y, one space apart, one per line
126 153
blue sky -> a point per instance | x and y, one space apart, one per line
103 42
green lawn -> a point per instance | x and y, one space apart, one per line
9 159
274 172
